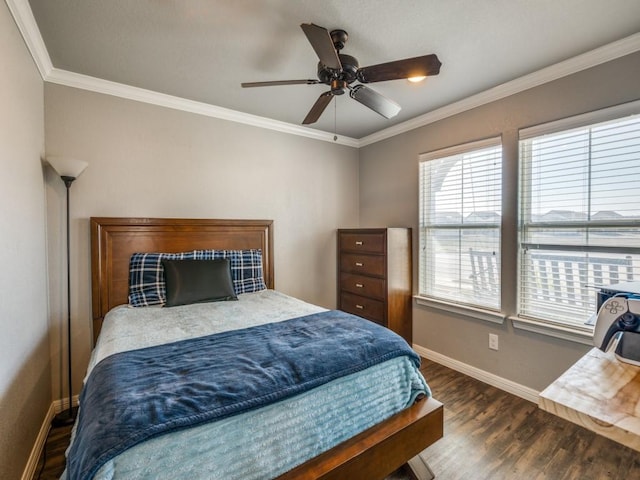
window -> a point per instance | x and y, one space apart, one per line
579 215
460 220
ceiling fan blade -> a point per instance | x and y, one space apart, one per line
320 40
375 101
279 82
409 67
318 108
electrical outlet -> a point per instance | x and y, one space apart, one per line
493 341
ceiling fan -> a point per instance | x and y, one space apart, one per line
340 71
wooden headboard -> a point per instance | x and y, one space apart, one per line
113 240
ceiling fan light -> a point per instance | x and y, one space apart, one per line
417 79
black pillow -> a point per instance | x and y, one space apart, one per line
198 281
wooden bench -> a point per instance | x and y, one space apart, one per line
485 268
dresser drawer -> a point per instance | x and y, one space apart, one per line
361 285
362 242
364 307
362 264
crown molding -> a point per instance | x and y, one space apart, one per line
26 23
23 16
85 82
576 64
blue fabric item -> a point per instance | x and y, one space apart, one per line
137 395
147 284
146 277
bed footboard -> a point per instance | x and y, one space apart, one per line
380 450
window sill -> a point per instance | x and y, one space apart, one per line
584 337
467 311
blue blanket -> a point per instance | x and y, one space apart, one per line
133 396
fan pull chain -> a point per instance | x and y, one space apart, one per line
335 120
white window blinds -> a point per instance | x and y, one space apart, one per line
579 216
460 222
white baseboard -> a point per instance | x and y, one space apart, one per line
489 378
32 463
36 451
63 404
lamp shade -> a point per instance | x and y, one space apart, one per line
67 167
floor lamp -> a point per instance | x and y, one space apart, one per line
69 169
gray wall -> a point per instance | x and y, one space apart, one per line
25 371
150 161
389 196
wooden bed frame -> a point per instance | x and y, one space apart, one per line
373 454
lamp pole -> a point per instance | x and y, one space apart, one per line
68 169
67 417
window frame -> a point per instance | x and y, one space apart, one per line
563 329
427 299
511 234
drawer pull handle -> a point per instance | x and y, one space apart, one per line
359 264
358 243
359 285
359 307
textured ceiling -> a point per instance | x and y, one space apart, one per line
203 49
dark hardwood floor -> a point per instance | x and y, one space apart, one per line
489 434
53 454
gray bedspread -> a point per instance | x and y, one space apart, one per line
136 395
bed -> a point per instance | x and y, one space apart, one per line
373 453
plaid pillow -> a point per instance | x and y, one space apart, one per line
246 267
147 282
146 277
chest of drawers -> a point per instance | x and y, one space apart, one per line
374 276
